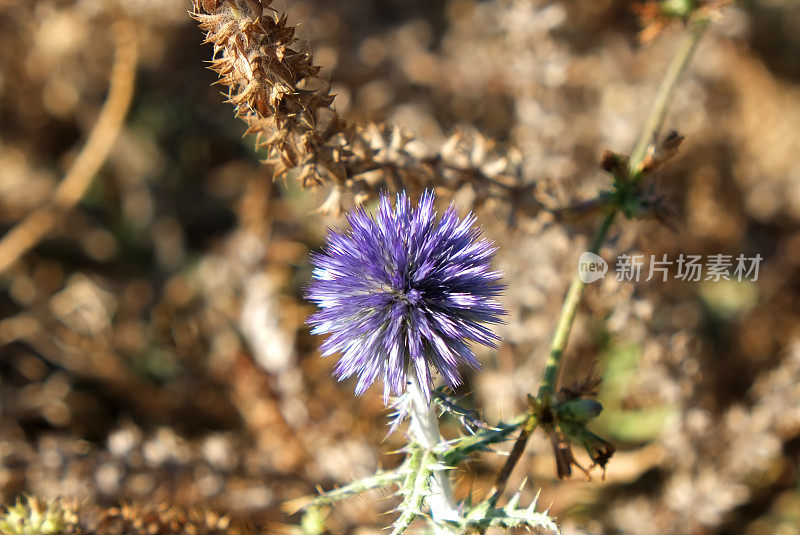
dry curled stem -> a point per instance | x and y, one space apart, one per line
35 226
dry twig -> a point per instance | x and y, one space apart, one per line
276 90
26 234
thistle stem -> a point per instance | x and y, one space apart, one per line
553 366
666 91
513 458
425 427
653 124
574 295
569 309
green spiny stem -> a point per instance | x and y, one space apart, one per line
569 309
468 418
414 488
552 368
425 427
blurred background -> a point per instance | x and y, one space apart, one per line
152 346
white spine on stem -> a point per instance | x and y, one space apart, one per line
425 427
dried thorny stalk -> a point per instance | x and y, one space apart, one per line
276 89
269 82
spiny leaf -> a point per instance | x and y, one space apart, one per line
32 517
415 488
377 481
467 417
485 516
399 406
457 451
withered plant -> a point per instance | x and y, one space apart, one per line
398 299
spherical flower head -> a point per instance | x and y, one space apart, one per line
402 292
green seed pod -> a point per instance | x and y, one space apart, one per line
579 410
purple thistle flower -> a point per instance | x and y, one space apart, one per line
402 291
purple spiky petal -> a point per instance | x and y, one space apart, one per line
404 291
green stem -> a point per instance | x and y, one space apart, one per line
425 427
553 366
568 311
572 300
654 123
667 91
